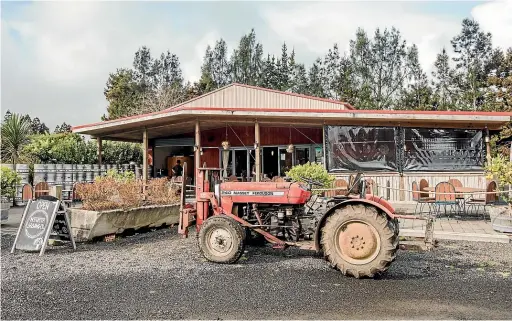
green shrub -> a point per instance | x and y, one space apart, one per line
126 176
9 181
500 169
311 171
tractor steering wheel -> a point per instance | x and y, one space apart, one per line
353 184
312 182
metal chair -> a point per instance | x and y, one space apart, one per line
490 198
423 185
421 199
445 196
338 183
370 186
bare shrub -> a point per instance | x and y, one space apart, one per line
161 191
107 193
130 194
100 195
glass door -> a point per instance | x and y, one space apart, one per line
240 161
285 161
301 155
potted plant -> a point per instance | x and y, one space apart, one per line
311 171
500 169
9 181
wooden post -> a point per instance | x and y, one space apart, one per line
488 146
197 148
145 157
401 185
324 147
100 150
257 161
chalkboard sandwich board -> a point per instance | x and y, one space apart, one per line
43 219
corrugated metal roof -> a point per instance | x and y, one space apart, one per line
245 96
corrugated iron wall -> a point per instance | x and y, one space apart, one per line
244 97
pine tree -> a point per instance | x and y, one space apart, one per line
315 86
417 93
144 70
7 115
380 68
220 64
122 93
443 82
299 79
246 63
472 49
498 93
284 70
206 82
270 76
63 128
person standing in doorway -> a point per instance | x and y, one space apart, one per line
177 169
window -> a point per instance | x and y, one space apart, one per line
301 155
352 148
443 149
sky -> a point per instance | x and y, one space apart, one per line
56 56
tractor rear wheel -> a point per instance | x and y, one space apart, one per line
359 240
221 239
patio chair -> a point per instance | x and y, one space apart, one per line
338 183
420 199
445 196
370 186
487 199
456 183
423 185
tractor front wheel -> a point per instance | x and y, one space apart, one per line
221 239
359 240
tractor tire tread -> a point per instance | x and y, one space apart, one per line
386 228
239 237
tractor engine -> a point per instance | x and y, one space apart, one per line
279 208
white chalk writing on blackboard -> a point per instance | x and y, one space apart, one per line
36 224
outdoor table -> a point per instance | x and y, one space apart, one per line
459 190
463 190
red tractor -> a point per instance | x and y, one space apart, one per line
357 233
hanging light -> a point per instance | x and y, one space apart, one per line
290 147
225 144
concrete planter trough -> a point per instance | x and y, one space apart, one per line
86 225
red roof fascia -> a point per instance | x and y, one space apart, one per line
356 111
120 119
313 111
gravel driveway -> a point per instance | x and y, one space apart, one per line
158 275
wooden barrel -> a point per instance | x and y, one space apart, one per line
41 189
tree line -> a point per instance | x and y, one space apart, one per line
37 127
28 141
379 71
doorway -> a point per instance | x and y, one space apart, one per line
240 168
271 161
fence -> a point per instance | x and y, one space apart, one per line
395 181
45 175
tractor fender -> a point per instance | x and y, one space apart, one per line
377 202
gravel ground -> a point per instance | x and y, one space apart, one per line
159 275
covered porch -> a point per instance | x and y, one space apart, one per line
259 134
